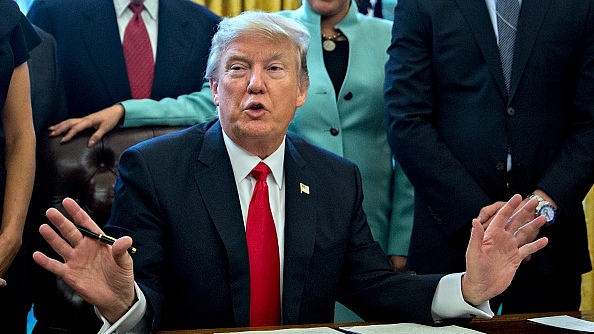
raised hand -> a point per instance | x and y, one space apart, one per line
101 274
494 254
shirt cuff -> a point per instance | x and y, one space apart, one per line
448 302
130 322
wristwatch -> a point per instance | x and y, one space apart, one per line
544 208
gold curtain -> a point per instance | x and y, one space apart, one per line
233 7
588 279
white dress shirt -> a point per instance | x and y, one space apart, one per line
150 16
447 301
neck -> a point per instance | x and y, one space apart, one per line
328 22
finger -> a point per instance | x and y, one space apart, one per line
79 215
62 247
54 266
523 215
96 136
75 129
529 231
476 235
503 215
59 128
533 247
489 211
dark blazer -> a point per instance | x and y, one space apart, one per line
176 196
91 56
452 122
47 89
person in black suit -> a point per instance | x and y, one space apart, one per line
90 33
192 267
48 103
465 139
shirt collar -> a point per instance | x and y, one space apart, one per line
243 161
151 6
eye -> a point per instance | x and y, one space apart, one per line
276 71
236 69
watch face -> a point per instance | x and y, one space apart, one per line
548 211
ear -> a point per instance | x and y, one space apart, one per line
301 96
214 87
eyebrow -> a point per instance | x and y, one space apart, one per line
237 56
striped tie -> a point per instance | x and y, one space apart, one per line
507 23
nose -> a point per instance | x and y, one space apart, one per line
256 84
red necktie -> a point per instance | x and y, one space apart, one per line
138 54
263 255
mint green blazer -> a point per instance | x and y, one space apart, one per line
359 117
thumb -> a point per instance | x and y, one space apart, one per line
119 252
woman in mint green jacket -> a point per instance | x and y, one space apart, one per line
344 113
344 110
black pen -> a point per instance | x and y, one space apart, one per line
106 239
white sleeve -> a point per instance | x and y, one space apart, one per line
449 303
135 321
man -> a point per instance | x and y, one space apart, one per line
185 201
97 78
91 39
469 132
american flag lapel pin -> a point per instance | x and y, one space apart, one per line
304 188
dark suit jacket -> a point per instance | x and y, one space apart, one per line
91 56
176 196
452 122
47 89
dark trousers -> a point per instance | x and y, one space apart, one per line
15 300
532 291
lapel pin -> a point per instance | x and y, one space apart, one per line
304 188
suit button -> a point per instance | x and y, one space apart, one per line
334 131
511 111
500 165
348 96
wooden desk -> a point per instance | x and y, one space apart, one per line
518 323
501 324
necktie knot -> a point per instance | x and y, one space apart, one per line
260 172
136 7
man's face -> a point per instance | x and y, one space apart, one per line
257 90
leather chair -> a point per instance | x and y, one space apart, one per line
88 176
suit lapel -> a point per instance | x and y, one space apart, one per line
173 46
300 229
102 40
531 19
477 16
216 184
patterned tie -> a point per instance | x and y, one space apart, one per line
263 255
507 23
138 54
